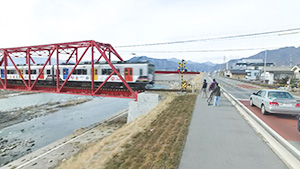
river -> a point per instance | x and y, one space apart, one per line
39 132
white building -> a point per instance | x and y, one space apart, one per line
274 74
252 67
296 71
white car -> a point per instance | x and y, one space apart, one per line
275 101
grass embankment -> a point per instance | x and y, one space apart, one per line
154 140
161 144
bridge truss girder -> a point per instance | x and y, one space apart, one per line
69 50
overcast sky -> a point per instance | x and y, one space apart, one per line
134 22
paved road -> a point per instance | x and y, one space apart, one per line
236 88
220 138
284 125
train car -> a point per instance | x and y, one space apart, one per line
13 77
137 75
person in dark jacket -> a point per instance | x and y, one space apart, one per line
212 85
203 89
217 93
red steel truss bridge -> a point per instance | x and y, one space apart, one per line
64 51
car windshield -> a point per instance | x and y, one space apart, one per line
280 95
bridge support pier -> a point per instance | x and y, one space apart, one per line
144 103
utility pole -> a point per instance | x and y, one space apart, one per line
265 64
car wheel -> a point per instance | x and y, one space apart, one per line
263 110
251 102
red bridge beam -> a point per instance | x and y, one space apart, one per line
117 93
105 51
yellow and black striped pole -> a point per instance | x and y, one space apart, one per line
182 68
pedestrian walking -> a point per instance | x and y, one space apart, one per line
203 89
217 93
212 85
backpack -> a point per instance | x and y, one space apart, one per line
212 86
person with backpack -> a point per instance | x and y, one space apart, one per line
212 85
203 89
217 93
211 94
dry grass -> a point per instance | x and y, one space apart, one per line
100 153
161 144
154 140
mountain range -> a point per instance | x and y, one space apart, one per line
287 56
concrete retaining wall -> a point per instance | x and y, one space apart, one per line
146 102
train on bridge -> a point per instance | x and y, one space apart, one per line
137 75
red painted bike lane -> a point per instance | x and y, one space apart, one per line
284 125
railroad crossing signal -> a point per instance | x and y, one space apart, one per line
182 68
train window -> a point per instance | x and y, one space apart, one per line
48 72
80 72
141 72
31 72
108 71
151 69
11 72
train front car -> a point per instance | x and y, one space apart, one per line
137 75
145 75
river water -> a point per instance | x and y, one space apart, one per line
47 129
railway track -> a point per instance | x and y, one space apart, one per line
45 88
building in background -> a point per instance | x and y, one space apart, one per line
252 67
235 73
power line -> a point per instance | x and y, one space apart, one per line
200 51
217 38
